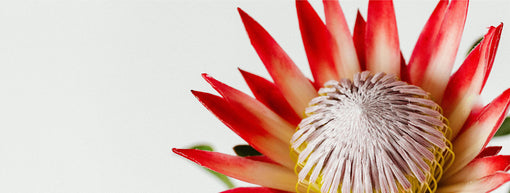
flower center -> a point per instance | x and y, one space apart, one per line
372 134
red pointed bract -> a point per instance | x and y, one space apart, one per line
359 39
466 84
261 158
480 168
267 93
433 74
320 47
491 54
404 74
473 115
382 49
253 190
485 184
246 128
348 63
288 78
489 151
261 173
255 111
424 46
478 132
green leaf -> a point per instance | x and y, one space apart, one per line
504 129
221 177
475 44
202 147
245 150
226 180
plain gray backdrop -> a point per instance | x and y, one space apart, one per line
94 94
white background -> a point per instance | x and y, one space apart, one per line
94 94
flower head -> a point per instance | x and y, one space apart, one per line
386 132
369 121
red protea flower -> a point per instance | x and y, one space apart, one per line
369 122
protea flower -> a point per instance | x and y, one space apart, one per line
369 121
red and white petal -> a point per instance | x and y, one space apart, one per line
446 44
404 74
267 93
255 110
348 63
261 158
475 112
423 49
489 151
296 88
479 168
358 38
244 126
381 38
320 47
253 190
466 84
261 173
486 184
479 132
